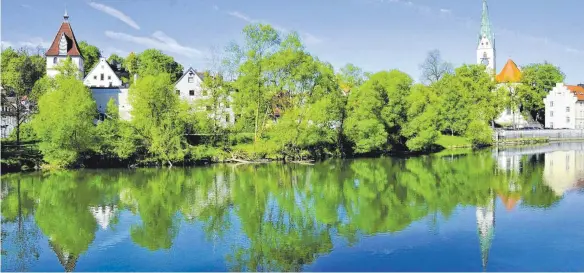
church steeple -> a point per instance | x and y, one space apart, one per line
486 27
486 53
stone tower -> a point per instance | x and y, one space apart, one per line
486 53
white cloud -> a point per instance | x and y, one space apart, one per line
34 42
114 50
115 13
26 6
6 44
158 40
445 11
215 7
308 38
241 16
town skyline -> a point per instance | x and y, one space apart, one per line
121 27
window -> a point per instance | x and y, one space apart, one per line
191 92
55 60
551 104
178 92
568 109
109 77
508 111
95 77
568 119
551 113
191 79
551 125
101 77
110 84
226 118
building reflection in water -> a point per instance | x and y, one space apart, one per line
564 170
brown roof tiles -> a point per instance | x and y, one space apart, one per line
72 46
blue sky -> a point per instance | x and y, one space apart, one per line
372 34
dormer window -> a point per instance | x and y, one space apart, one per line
55 60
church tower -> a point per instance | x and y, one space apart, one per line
486 53
64 45
486 228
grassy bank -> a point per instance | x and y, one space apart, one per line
453 142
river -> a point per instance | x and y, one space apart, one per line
513 209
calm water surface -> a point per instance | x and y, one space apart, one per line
508 210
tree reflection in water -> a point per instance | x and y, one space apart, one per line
288 214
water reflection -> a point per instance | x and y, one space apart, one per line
271 217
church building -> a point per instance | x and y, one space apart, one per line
508 78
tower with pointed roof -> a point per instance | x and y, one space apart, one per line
486 228
486 53
64 45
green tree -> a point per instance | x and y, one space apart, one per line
19 73
64 123
154 62
118 138
159 117
536 81
91 55
421 129
116 60
377 111
253 99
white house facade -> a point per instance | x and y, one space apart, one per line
564 107
190 88
102 75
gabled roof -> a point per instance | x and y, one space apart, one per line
107 66
189 71
577 90
509 74
72 46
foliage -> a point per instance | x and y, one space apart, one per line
377 111
91 55
64 124
117 137
19 73
152 62
421 129
536 81
159 117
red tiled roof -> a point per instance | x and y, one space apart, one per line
509 74
577 90
72 46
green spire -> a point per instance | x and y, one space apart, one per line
486 28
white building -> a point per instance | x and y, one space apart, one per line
105 84
564 107
190 88
102 75
64 45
